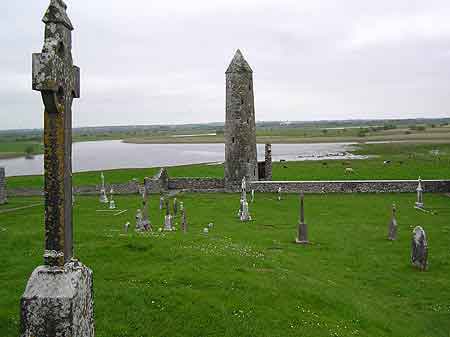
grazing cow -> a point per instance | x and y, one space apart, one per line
349 170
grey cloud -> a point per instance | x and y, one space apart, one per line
164 61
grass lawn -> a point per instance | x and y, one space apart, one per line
247 279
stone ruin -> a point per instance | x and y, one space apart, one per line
265 167
159 183
3 198
419 249
240 125
58 299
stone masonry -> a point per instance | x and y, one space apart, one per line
268 162
3 198
240 125
58 299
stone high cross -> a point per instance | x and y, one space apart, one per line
58 298
58 80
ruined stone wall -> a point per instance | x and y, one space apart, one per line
196 184
240 126
2 186
361 186
218 185
268 162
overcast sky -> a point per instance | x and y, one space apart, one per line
163 61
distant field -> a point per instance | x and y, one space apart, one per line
14 145
408 161
18 149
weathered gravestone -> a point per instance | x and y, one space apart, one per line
419 249
161 203
112 203
146 223
168 219
103 196
184 224
139 226
244 213
58 299
393 228
302 234
419 202
175 207
3 198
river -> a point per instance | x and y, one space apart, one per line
114 154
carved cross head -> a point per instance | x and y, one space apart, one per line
54 74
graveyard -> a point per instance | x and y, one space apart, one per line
249 278
248 246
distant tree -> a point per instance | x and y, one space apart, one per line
29 150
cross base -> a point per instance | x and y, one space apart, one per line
58 301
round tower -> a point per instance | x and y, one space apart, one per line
240 125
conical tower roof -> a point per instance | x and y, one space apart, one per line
239 64
56 13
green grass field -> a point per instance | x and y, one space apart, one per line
408 161
247 279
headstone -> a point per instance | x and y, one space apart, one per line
168 223
393 225
161 203
3 198
139 226
419 249
245 214
419 202
279 193
58 299
268 162
103 196
184 224
126 227
146 223
302 234
112 203
253 196
167 206
175 207
205 230
240 125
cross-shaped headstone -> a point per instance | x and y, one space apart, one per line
58 80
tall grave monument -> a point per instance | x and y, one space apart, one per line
240 126
58 299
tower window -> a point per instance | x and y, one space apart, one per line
232 140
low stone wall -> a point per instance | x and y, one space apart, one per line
196 184
218 185
359 186
131 187
3 198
